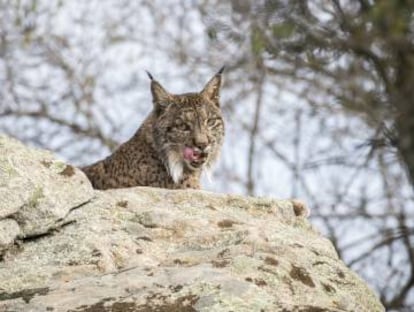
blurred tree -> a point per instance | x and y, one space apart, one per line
381 35
363 51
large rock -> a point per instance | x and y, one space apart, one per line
37 192
66 247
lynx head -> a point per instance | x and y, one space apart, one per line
188 129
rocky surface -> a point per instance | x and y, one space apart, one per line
66 247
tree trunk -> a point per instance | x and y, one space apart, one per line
404 102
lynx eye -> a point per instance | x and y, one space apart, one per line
212 122
183 127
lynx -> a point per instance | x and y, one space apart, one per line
180 138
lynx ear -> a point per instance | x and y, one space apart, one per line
160 96
212 88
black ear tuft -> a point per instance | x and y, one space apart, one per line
149 75
221 70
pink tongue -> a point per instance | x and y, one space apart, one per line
190 154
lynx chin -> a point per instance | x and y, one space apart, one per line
180 138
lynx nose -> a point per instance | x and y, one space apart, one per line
201 142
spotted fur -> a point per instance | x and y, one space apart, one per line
189 123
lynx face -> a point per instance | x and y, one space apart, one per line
188 129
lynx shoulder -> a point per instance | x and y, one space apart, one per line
180 138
